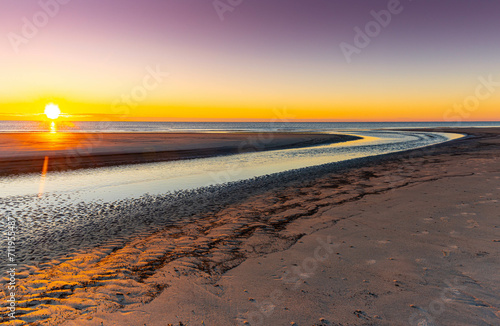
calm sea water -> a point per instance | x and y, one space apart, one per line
133 126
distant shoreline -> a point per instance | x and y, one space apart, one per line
26 152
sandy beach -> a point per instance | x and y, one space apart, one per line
26 152
250 163
409 239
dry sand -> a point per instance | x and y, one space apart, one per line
410 241
25 152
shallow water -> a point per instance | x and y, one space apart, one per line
83 208
133 181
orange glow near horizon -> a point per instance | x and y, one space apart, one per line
357 99
356 110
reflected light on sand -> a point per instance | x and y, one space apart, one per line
44 174
365 140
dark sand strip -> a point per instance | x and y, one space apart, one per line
26 152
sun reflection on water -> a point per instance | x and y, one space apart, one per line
43 176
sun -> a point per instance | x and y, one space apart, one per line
52 111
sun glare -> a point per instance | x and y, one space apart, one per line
52 111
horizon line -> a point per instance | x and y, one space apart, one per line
145 119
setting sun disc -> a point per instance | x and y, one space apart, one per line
52 111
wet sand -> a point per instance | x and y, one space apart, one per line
26 152
410 239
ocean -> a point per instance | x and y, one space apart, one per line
138 126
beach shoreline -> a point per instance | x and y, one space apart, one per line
256 261
26 152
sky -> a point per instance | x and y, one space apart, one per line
239 60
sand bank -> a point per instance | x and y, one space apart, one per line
26 152
408 240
